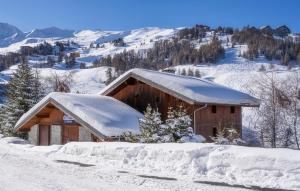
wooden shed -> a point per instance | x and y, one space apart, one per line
209 104
60 118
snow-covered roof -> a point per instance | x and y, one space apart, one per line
190 89
102 115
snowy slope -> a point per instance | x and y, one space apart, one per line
139 39
84 80
135 40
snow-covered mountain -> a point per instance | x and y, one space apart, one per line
50 32
9 34
7 30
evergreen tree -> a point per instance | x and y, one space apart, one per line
197 73
298 58
286 59
178 124
190 72
183 72
109 76
23 91
150 125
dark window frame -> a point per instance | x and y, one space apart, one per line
232 109
214 109
215 132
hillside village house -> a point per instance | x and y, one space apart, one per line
60 117
64 117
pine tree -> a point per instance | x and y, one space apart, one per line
150 125
298 58
178 123
286 59
190 72
183 72
109 76
197 73
38 91
24 90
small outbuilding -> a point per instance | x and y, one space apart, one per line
63 117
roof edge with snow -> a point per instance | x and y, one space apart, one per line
59 106
134 73
50 99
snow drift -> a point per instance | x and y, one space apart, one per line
273 168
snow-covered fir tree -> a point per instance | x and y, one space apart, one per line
197 73
150 125
24 90
178 124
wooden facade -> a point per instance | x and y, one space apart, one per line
48 117
138 95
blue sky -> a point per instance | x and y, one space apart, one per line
129 14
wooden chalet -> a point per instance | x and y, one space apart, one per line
210 105
63 117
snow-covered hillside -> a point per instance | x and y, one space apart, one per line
137 39
9 34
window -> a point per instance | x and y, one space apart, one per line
157 99
214 109
232 109
214 132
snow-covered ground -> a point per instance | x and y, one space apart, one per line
125 166
83 80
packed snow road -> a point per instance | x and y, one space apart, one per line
34 171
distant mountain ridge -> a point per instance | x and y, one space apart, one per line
50 33
10 34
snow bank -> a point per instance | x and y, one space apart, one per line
273 168
12 140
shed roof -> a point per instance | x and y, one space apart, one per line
190 89
103 115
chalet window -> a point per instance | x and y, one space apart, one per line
214 109
214 132
157 99
232 109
